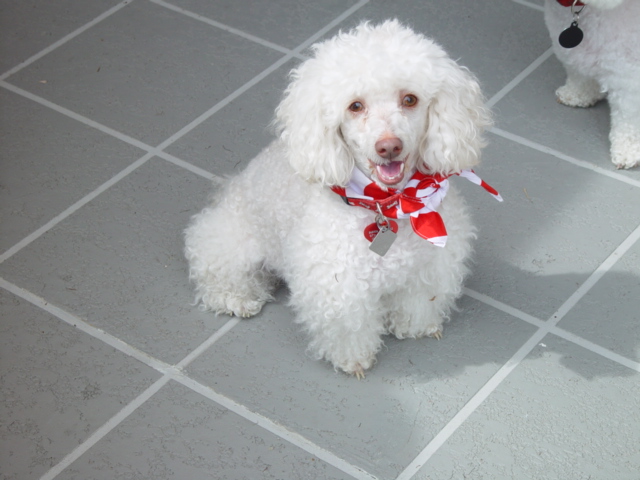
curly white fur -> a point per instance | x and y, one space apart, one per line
605 64
365 93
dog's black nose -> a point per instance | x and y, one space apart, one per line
389 148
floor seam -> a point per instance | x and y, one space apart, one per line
567 158
557 331
518 79
227 28
531 5
65 39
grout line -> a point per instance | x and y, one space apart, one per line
76 116
65 39
604 267
188 166
275 428
471 406
498 305
535 6
222 26
313 38
519 78
110 131
73 208
223 103
494 382
571 337
562 156
226 328
83 326
104 429
595 348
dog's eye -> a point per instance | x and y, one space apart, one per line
356 107
409 101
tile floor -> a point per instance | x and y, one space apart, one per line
116 116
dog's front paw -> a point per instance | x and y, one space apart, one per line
243 307
357 369
401 325
582 97
230 304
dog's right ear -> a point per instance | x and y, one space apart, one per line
309 124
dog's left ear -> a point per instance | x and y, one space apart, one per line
456 121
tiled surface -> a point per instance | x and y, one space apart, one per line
107 371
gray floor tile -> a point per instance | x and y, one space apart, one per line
58 386
40 179
180 435
609 315
286 23
563 413
454 25
47 23
146 71
225 143
556 225
414 389
118 262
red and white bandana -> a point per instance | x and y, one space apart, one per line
419 200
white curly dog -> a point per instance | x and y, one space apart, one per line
605 64
380 105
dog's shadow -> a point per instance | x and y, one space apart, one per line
607 316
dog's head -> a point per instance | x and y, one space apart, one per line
386 100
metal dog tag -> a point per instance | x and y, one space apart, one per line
571 37
383 241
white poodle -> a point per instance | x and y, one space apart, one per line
605 63
378 112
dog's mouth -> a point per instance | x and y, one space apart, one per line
390 173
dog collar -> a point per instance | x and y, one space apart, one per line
570 3
418 201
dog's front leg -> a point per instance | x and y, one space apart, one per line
343 321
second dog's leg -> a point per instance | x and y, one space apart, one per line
625 126
579 91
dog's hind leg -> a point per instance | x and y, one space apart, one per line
226 261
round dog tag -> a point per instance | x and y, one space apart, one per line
371 231
571 37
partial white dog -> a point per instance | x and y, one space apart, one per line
605 64
379 103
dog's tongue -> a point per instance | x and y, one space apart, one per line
391 173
